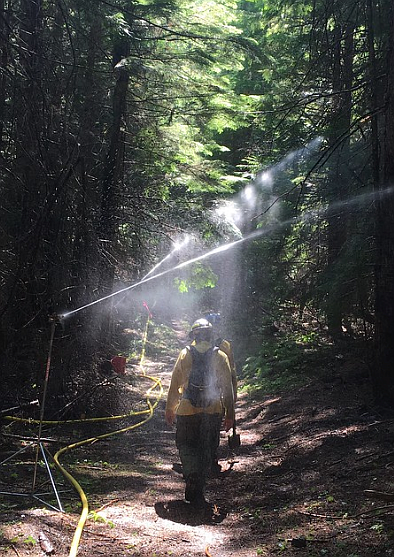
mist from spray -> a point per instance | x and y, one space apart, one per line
182 265
256 205
179 245
231 217
234 217
304 217
228 212
233 212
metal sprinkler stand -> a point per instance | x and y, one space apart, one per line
40 449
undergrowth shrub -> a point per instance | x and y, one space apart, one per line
285 361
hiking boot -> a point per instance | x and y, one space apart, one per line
194 490
199 502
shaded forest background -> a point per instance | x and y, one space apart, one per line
129 127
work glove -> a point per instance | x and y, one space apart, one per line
228 424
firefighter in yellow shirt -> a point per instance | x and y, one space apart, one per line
226 347
199 397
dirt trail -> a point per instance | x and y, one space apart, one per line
296 487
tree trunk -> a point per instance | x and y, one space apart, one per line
4 33
336 217
383 376
110 192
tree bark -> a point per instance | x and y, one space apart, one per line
110 191
383 375
343 52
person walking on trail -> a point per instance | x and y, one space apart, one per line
225 346
199 398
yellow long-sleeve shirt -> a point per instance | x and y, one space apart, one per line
180 379
225 346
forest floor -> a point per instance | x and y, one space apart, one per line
305 481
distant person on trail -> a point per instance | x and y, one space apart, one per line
199 397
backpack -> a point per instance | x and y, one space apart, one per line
201 390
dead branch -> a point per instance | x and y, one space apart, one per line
379 495
371 512
20 407
377 455
15 549
112 502
45 544
325 516
25 438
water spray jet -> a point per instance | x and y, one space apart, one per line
257 197
304 217
233 212
215 251
178 246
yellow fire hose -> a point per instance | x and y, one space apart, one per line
149 414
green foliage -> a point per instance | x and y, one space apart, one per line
30 541
97 517
201 276
162 340
284 362
378 527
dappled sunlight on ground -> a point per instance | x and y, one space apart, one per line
295 485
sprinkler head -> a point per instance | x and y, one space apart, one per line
54 317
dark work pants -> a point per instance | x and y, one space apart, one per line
197 440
